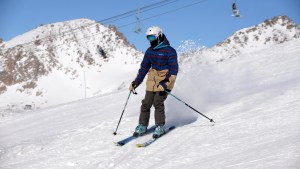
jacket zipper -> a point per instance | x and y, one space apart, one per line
154 83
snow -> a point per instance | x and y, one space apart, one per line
253 98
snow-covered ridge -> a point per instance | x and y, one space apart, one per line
51 31
48 31
273 31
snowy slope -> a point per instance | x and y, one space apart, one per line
254 99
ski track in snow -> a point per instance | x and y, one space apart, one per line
254 100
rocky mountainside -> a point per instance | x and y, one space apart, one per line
67 48
273 31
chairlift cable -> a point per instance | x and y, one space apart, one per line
141 11
133 11
170 11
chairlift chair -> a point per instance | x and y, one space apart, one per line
235 11
138 26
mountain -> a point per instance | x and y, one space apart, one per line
253 98
273 31
76 59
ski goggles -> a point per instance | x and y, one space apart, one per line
151 38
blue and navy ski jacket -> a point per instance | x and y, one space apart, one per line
162 60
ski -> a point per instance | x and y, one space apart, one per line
131 138
152 140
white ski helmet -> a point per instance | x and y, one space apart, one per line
154 30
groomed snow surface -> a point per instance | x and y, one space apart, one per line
254 100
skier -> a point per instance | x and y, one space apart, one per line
160 62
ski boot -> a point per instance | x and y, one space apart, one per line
140 130
159 131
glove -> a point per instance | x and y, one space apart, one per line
163 87
132 86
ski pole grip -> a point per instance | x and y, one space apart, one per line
134 92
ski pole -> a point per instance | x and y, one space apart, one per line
211 120
115 133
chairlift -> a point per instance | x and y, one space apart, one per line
235 11
138 26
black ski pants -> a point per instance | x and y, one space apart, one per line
157 100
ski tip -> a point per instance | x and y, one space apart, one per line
172 127
118 144
140 145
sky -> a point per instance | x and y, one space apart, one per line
206 23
